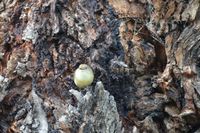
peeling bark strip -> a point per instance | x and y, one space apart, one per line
144 52
41 116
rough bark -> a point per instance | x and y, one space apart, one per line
146 53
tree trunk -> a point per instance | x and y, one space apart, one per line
145 55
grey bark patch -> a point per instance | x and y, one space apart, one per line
96 111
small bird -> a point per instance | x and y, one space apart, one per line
83 76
